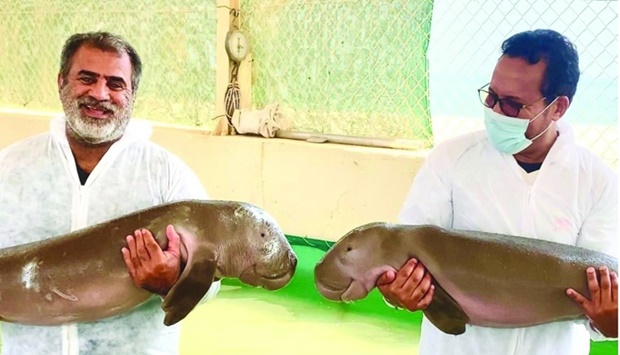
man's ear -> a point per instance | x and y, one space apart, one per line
60 81
560 107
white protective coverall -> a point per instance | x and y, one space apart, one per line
41 196
465 183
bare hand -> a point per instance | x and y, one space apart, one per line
602 309
409 288
150 267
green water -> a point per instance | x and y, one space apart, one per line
296 319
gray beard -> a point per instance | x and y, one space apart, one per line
89 130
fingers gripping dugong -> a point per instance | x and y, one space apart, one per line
81 276
483 279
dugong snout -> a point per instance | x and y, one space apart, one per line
331 282
332 293
273 273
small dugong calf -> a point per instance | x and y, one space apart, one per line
482 279
81 276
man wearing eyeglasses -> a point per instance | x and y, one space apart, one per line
524 175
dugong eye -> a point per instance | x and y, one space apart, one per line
262 235
349 248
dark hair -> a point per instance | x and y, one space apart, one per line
106 42
562 70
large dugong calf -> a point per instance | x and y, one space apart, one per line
482 279
81 276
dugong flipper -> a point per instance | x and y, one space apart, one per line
81 276
445 313
483 279
192 285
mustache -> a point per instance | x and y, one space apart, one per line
96 104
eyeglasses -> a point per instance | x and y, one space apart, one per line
508 106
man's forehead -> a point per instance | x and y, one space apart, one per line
105 63
515 77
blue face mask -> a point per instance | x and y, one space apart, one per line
508 133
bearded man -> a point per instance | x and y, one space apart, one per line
95 164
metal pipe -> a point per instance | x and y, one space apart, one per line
313 137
